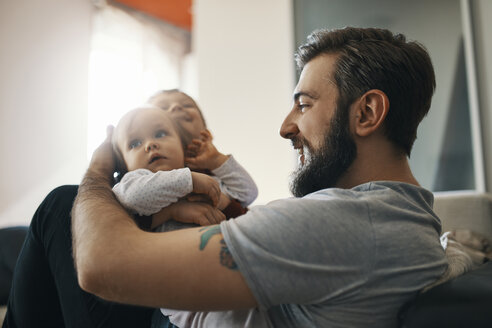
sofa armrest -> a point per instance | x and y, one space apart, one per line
462 302
465 210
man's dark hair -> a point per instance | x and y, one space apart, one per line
371 58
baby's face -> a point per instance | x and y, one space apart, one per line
148 139
183 109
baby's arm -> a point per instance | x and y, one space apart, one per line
235 180
146 193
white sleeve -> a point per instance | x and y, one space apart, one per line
146 193
236 182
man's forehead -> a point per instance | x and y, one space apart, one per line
316 74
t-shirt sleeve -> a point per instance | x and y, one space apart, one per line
289 251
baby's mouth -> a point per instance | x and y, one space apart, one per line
156 157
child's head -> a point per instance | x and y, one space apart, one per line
182 108
147 137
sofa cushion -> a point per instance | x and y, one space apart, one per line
465 210
462 302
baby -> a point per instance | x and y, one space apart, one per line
239 189
149 148
203 156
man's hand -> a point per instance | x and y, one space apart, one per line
202 154
189 212
206 185
102 162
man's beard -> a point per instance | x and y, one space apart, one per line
326 165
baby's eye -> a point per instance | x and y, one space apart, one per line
160 134
134 144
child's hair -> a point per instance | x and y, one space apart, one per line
120 165
167 91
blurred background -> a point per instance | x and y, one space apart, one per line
70 68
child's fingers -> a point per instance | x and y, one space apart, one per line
214 194
190 153
191 163
206 135
193 148
215 216
209 215
195 143
198 198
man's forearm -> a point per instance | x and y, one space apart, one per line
117 261
96 216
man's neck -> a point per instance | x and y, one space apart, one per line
381 163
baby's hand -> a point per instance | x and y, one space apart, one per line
196 212
206 185
202 154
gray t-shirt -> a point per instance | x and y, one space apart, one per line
339 258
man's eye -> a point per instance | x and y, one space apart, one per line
134 144
303 107
160 134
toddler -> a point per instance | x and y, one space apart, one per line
149 148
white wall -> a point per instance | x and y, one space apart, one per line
244 58
244 53
43 100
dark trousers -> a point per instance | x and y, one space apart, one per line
11 240
45 291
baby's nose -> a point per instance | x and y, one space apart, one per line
151 145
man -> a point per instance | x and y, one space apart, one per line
359 240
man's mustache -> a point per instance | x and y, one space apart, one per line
299 142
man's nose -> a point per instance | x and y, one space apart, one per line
289 128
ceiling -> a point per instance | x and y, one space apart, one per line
176 12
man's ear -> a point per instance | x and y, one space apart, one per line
370 112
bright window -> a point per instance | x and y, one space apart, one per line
132 56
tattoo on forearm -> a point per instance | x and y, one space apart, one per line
209 232
225 255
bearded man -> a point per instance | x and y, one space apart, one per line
357 241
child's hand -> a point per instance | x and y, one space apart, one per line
206 185
196 212
223 201
202 154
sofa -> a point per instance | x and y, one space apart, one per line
462 302
465 301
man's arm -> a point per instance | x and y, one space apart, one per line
188 269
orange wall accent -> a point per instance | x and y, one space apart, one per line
176 12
